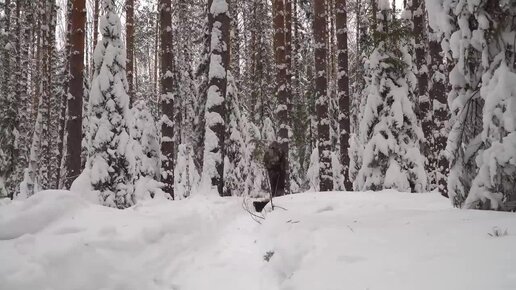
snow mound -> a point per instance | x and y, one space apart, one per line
383 240
32 215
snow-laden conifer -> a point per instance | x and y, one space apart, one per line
186 177
389 130
495 38
108 139
145 152
496 178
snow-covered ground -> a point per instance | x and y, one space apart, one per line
384 240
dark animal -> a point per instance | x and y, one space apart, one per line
276 163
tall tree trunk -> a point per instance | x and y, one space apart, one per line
95 22
423 100
288 51
323 121
37 66
154 80
437 93
51 53
343 88
129 37
9 93
61 173
25 123
74 123
219 24
167 97
46 142
288 87
281 80
7 62
374 24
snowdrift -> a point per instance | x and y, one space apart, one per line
385 240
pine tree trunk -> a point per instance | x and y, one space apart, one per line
9 97
95 22
74 123
37 66
219 23
64 99
25 123
255 64
288 60
51 53
425 103
323 122
129 36
437 93
281 80
167 98
288 51
296 47
374 24
155 84
343 89
7 63
235 42
46 142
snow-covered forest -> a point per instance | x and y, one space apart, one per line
130 109
133 99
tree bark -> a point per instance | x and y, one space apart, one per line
374 24
323 122
155 84
288 59
95 23
74 124
437 93
167 98
64 99
50 54
281 80
129 36
6 52
43 174
24 97
288 51
425 103
219 24
343 88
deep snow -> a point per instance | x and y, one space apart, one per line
385 240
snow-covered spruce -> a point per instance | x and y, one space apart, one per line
234 143
464 140
186 175
31 184
241 166
144 152
256 179
389 127
493 187
108 139
466 27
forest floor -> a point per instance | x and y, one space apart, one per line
318 241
